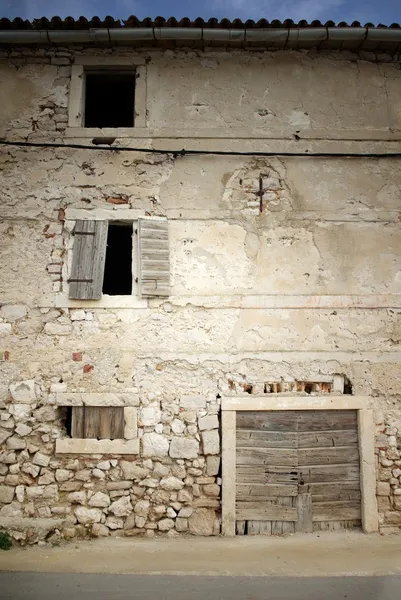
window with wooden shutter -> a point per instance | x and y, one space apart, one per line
89 254
154 263
97 422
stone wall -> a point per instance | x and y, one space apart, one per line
306 288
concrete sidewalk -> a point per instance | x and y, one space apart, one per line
298 555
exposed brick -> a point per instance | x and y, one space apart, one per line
88 368
77 357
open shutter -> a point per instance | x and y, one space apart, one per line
89 254
154 263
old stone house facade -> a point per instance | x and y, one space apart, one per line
173 322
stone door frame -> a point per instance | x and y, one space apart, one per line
366 436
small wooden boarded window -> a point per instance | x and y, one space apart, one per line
154 264
87 272
97 422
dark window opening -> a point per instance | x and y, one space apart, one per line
347 386
65 416
118 267
248 388
109 99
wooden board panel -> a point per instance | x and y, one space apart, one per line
266 439
264 512
334 487
266 456
267 491
92 422
265 474
330 473
259 528
77 422
328 511
267 420
319 456
304 507
240 527
89 255
354 496
321 439
116 418
324 420
336 525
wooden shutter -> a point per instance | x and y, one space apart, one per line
89 254
154 263
98 422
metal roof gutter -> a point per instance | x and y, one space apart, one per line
148 34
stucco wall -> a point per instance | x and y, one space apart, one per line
308 287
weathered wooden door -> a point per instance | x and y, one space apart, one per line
297 471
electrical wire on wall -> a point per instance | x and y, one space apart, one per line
188 152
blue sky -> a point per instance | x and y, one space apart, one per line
375 11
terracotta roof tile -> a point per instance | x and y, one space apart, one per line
57 23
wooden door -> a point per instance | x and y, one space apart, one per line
297 471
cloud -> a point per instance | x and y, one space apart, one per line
271 9
33 9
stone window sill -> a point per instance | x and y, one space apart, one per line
107 132
60 300
79 446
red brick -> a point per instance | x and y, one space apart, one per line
117 200
6 355
88 368
77 356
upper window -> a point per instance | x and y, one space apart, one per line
117 258
109 99
107 93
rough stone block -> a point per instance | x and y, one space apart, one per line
202 522
99 500
16 443
6 494
87 516
41 459
165 524
192 402
208 422
155 445
212 465
171 484
211 442
150 415
382 488
23 392
122 507
182 447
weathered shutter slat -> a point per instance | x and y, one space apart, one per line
89 255
92 418
154 260
77 422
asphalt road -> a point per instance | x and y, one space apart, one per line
67 586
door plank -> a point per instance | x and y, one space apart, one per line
321 439
318 456
266 456
259 527
320 420
304 522
92 422
330 473
266 490
267 420
240 527
266 439
77 422
260 511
